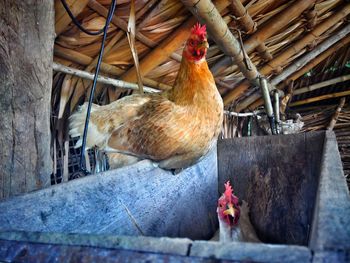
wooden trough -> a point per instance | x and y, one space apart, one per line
300 207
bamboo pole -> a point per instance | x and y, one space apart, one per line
246 22
307 67
277 23
298 65
101 79
321 84
85 60
319 98
206 12
242 17
160 54
311 55
317 60
299 45
306 40
336 114
267 30
263 52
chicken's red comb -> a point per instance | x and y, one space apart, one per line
199 30
228 190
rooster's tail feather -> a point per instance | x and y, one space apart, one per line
77 123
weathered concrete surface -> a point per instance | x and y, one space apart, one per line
331 224
250 252
135 200
163 245
13 251
331 257
278 177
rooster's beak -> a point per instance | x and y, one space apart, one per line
203 44
230 211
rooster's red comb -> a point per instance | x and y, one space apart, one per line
228 190
199 30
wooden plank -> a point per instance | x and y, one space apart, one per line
26 49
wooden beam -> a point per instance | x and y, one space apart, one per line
26 53
321 84
319 98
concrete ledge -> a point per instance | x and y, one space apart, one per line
136 200
331 224
250 252
163 245
15 251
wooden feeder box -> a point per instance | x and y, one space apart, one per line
294 184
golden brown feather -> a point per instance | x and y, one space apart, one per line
174 129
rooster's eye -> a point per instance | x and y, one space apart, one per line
191 43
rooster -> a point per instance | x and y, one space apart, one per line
174 129
234 222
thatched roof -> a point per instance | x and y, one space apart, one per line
163 27
294 43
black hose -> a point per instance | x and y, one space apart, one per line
76 22
104 30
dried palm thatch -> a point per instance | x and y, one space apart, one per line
162 27
322 118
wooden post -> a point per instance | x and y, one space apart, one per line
26 52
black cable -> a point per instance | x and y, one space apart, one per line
76 22
105 29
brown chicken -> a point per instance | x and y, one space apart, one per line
174 129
